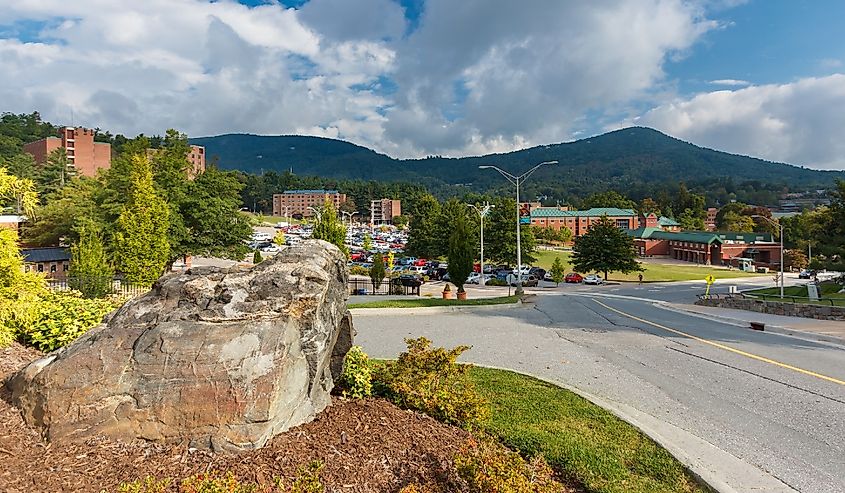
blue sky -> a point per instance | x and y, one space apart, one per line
417 77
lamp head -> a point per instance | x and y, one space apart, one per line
484 166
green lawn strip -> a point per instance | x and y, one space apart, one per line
576 437
654 272
429 302
827 290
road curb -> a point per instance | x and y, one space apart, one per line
428 310
692 462
774 329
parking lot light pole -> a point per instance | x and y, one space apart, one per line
482 211
516 180
780 227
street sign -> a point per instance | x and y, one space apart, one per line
710 280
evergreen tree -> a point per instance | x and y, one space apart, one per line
141 246
56 172
461 251
256 257
90 272
367 244
605 248
377 272
500 235
557 271
329 228
422 241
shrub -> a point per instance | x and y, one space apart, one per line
146 485
356 379
415 488
308 479
359 270
256 257
488 467
59 318
496 282
430 381
214 483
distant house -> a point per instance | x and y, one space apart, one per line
53 262
12 221
709 248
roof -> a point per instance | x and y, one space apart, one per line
665 221
52 254
594 212
312 191
745 237
11 218
690 236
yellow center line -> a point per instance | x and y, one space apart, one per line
726 348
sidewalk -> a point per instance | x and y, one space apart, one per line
825 330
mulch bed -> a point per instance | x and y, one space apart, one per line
366 445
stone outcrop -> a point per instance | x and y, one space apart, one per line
223 359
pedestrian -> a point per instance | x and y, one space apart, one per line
641 277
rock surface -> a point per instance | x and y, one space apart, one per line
221 358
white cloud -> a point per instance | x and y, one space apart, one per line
799 122
474 76
730 82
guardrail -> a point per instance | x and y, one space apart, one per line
102 286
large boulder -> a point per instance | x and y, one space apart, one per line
223 359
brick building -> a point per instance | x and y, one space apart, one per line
383 211
710 248
11 221
579 222
53 262
83 153
297 202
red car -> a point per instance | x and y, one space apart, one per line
420 262
573 277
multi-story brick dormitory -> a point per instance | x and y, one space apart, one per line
85 155
293 203
578 222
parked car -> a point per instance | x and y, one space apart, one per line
593 279
805 274
475 278
411 280
526 269
573 277
537 272
527 281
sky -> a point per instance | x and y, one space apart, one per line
412 78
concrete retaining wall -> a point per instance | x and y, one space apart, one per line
778 308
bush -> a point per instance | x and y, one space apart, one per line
496 282
308 479
146 485
415 488
487 466
359 270
213 483
61 317
430 381
356 379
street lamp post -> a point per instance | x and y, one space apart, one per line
351 214
316 212
516 181
482 211
780 233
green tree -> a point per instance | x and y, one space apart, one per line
500 235
377 272
557 271
141 246
279 238
171 172
734 221
21 165
461 251
329 228
56 172
605 248
256 257
90 272
690 220
58 220
367 244
20 192
422 241
794 259
610 198
400 221
829 243
647 206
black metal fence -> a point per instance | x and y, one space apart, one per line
98 287
387 287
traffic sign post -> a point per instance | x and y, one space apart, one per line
710 280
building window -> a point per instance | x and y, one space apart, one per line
26 268
40 267
52 267
622 223
65 267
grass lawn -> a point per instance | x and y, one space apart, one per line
260 218
427 302
653 272
827 290
595 448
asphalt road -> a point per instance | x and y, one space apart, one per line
774 401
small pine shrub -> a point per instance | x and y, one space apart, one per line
415 488
214 483
488 467
146 485
256 257
308 479
359 270
430 381
495 282
356 379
